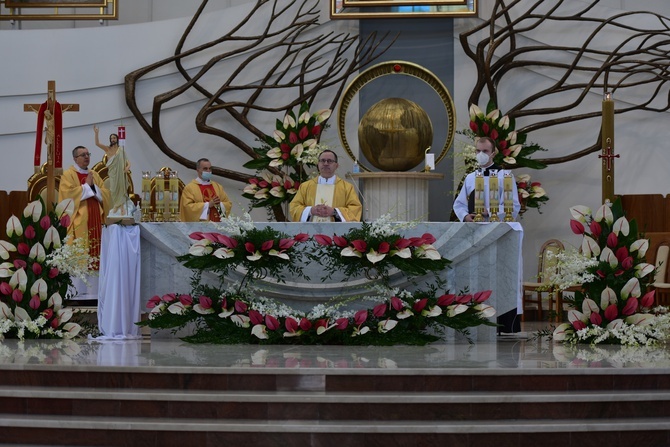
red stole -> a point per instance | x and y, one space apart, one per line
58 136
208 193
94 222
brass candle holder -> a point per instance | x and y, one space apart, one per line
494 196
479 196
146 196
508 199
160 196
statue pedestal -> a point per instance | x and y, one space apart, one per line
404 195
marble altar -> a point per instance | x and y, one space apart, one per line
484 256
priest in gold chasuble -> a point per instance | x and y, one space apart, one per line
327 198
91 200
203 199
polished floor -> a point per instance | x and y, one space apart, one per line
521 351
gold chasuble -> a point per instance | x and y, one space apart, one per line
208 194
88 213
324 196
193 198
343 197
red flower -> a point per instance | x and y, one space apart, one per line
305 324
502 145
285 148
494 134
197 235
23 248
227 241
417 241
316 130
37 268
285 156
48 313
446 300
255 317
153 301
20 264
169 297
5 288
342 323
55 323
402 243
186 300
596 229
384 247
303 132
360 245
45 222
596 319
322 239
473 127
464 299
621 254
340 241
648 299
419 305
301 237
480 297
253 181
291 325
65 221
17 295
506 152
576 226
600 273
578 325
293 138
485 129
360 317
611 312
240 307
34 302
249 247
285 244
627 263
267 245
30 232
631 306
263 184
612 240
321 323
379 310
396 303
272 323
205 302
429 238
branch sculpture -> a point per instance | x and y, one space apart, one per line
290 61
635 59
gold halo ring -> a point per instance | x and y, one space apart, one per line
397 68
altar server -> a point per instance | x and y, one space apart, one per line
203 199
326 198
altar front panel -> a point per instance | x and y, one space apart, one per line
484 256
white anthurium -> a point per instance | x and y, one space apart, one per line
255 256
575 315
203 311
375 257
493 115
304 118
516 150
405 253
607 255
288 334
51 237
510 160
433 312
386 325
643 269
322 115
631 288
604 213
289 121
429 252
563 331
5 248
297 151
456 309
65 206
5 312
615 324
201 248
227 312
33 210
276 163
223 253
485 310
621 226
39 287
279 254
475 112
641 246
14 227
640 319
279 136
6 269
261 194
156 312
589 306
310 144
349 251
177 308
607 297
512 138
590 247
71 330
64 314
275 153
580 213
38 253
321 329
523 193
241 320
504 122
20 314
260 331
55 301
406 313
267 175
250 189
19 280
523 178
277 191
539 191
362 331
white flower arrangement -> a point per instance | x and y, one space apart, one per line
73 258
572 267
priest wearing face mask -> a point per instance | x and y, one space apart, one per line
202 199
326 198
464 205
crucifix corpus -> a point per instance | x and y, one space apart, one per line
50 122
607 154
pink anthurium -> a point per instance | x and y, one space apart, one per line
255 317
322 239
272 323
612 240
17 295
596 229
240 307
595 319
65 208
631 307
267 245
482 296
611 312
446 300
648 299
397 303
360 245
305 324
65 221
621 226
30 232
576 227
578 325
37 268
379 310
23 248
5 288
604 213
641 246
420 304
45 222
631 288
301 237
342 323
360 317
607 297
621 253
35 302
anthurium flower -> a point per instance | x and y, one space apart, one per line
201 248
289 121
224 253
361 316
305 324
14 226
301 237
374 257
20 314
272 323
55 323
627 263
348 251
640 319
260 331
482 296
386 325
5 312
30 232
427 251
52 238
65 221
612 240
255 256
360 331
55 301
279 136
562 332
643 269
39 288
621 226
177 308
45 222
429 238
153 301
580 213
420 304
250 189
397 303
595 318
279 254
405 253
648 299
631 288
464 299
71 330
285 244
360 245
379 310
6 269
240 306
589 306
493 115
241 320
485 310
291 325
475 112
322 239
20 264
5 288
576 226
225 313
446 300
19 280
615 324
65 207
621 254
604 213
607 297
402 243
504 122
631 307
575 315
256 317
204 306
458 309
33 210
322 115
17 295
590 248
578 325
641 246
186 300
35 302
38 253
434 311
322 326
607 255
406 313
5 248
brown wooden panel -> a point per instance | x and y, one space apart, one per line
648 210
12 203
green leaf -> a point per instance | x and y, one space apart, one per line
259 163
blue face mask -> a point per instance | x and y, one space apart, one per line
206 176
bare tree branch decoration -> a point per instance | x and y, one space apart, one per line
291 61
615 54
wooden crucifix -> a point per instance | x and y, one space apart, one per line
607 154
50 122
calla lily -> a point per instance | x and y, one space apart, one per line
631 288
641 246
51 237
71 330
457 309
37 252
348 251
374 256
589 306
19 280
386 325
580 213
590 248
39 288
485 310
621 226
604 212
640 319
241 320
607 255
607 297
5 248
14 227
66 206
33 210
643 269
562 332
279 254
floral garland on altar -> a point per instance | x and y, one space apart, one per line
242 315
613 305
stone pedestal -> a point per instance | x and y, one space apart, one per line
404 195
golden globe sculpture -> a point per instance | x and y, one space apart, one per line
394 134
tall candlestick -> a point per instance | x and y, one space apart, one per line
508 200
607 155
494 196
479 196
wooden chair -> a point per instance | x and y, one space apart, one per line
661 253
538 292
